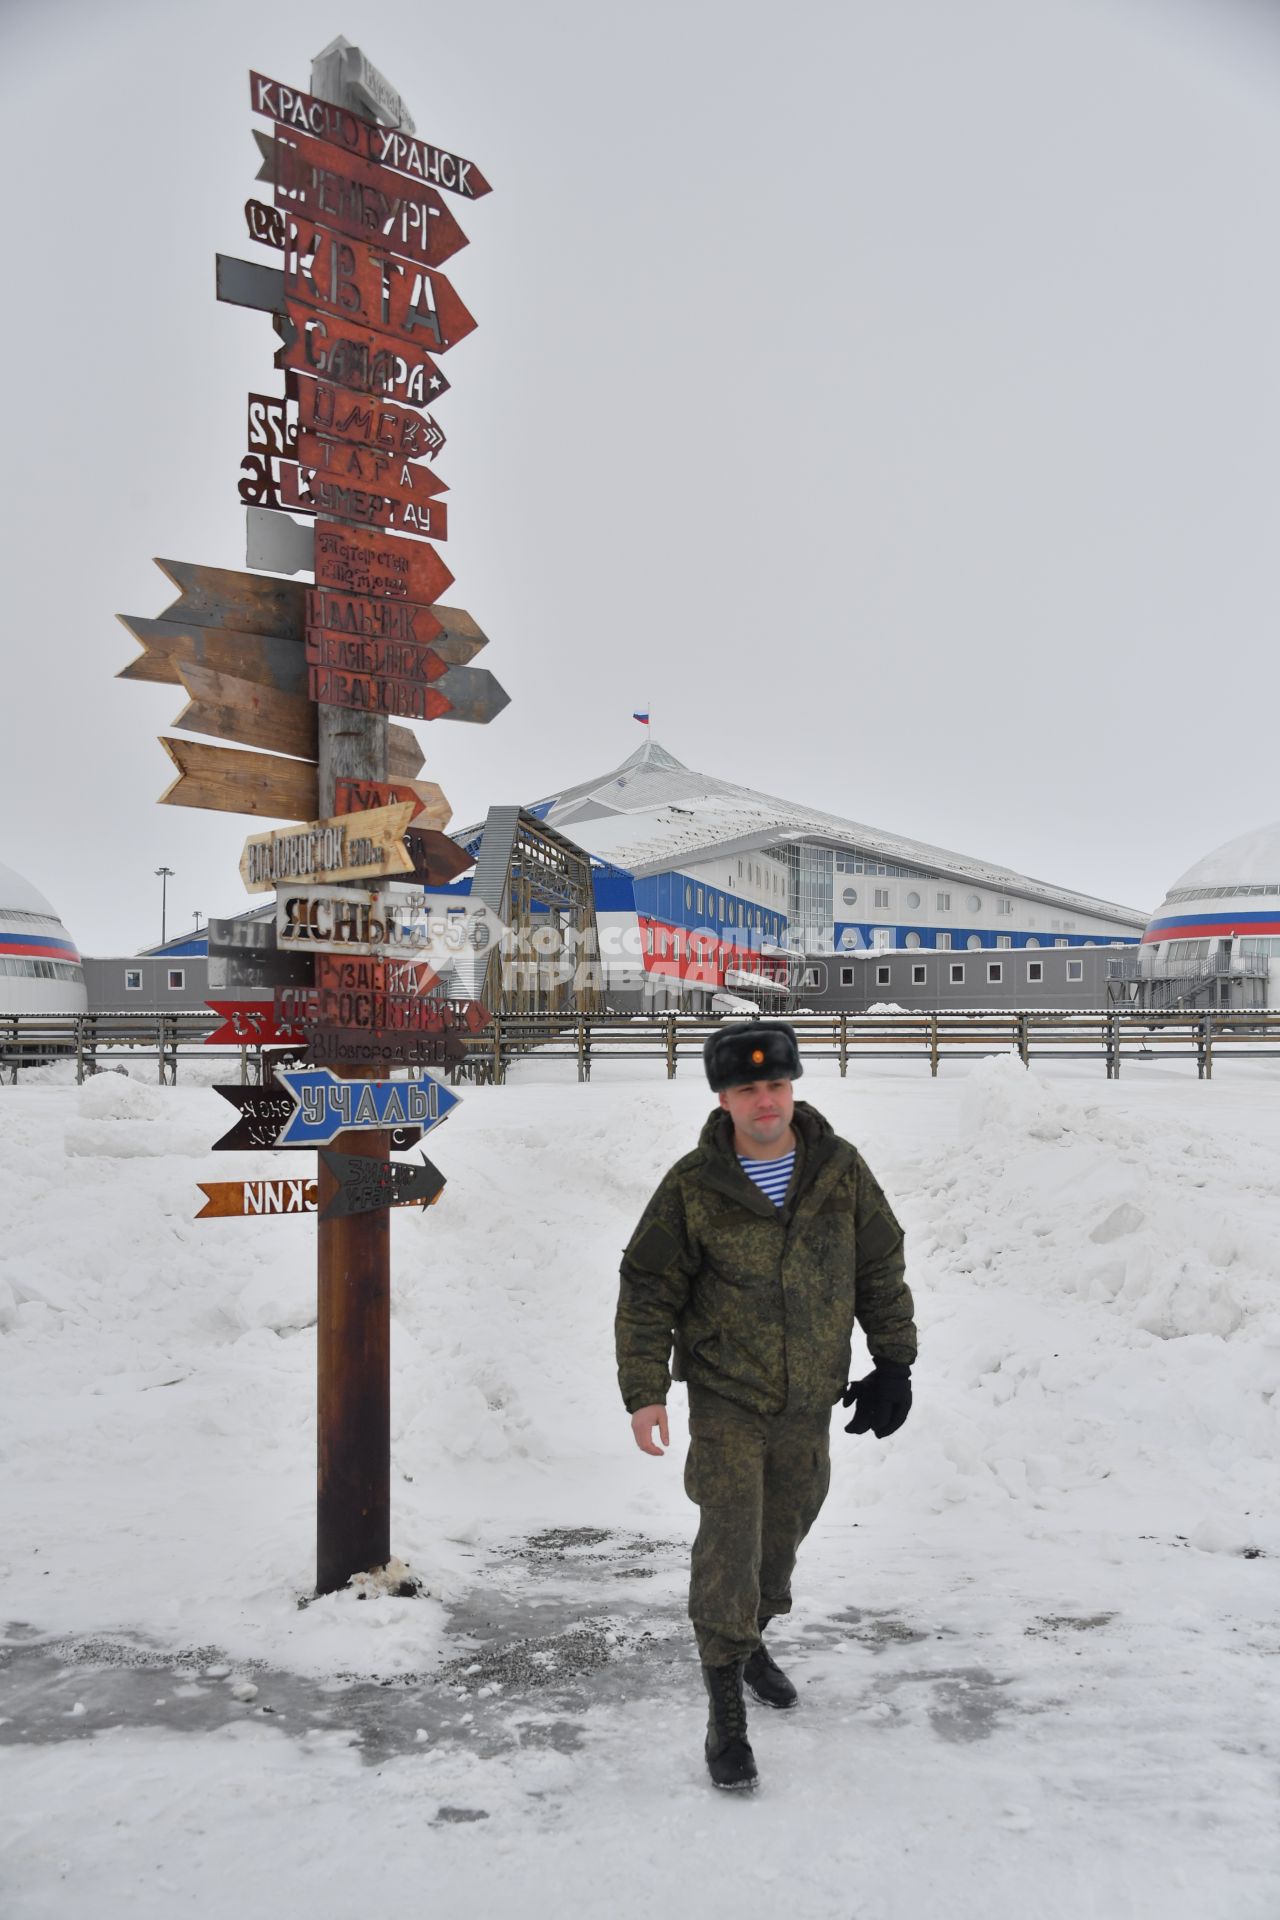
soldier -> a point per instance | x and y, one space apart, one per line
755 1256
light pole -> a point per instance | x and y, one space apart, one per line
164 875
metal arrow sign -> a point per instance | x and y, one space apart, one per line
264 1113
240 1199
366 1186
350 134
327 1106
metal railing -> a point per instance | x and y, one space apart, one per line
1112 1035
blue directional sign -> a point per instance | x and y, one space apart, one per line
327 1106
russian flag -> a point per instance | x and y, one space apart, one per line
643 718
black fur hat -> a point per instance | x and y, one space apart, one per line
752 1050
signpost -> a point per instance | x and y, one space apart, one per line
303 674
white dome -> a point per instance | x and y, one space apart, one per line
1249 859
40 969
17 894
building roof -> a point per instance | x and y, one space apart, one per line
19 896
1251 859
653 813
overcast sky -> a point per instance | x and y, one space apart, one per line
884 392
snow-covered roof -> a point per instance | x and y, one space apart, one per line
653 813
19 896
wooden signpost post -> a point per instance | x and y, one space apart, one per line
301 677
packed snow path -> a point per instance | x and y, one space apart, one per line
1036 1632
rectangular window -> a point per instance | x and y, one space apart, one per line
957 973
648 939
918 976
995 972
944 903
1035 972
1115 969
882 937
177 979
1004 939
1005 906
1075 969
700 907
882 896
133 979
811 977
882 976
846 976
944 942
1062 943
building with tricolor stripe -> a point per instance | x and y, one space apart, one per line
1215 937
703 886
40 967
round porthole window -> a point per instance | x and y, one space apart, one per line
913 901
1032 941
850 896
974 902
974 942
913 941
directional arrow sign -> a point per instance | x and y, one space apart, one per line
304 490
265 1111
354 561
346 464
359 847
250 1023
366 1186
395 431
436 858
388 659
358 198
238 1199
363 693
353 796
327 1106
366 285
350 134
332 349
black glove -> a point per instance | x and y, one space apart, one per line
882 1399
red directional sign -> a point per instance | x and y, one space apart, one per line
368 285
355 561
352 796
302 112
364 693
357 357
304 490
386 659
394 431
352 466
250 1023
369 618
357 197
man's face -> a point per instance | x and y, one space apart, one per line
761 1112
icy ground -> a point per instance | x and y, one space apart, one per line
1036 1632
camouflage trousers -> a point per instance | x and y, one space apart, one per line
759 1481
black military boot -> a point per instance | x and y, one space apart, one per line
767 1681
730 1761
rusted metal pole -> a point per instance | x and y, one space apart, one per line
353 1255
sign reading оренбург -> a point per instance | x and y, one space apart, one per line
397 924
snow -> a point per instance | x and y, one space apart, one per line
1035 1632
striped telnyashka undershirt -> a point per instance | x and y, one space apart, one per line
771 1176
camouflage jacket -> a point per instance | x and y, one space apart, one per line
759 1300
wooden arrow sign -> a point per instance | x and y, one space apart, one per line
367 693
433 810
366 617
265 1111
350 134
359 847
358 198
264 658
353 282
285 545
247 712
366 1186
238 1199
337 350
435 858
227 781
327 1106
397 432
473 694
304 490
